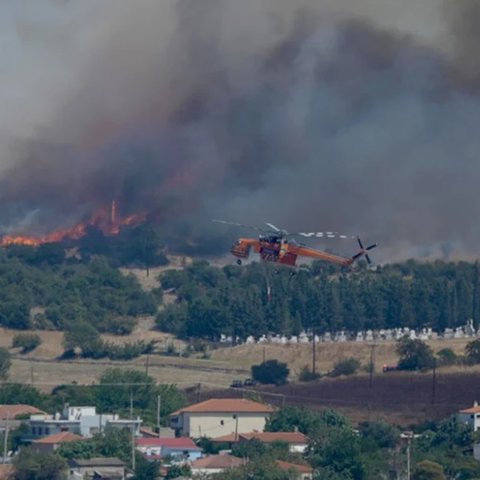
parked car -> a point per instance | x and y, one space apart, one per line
249 382
236 384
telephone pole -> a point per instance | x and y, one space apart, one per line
372 363
314 354
159 400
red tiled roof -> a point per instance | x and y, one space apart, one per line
6 471
269 437
229 438
217 461
181 442
294 466
62 437
12 411
226 405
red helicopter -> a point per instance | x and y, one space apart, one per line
278 246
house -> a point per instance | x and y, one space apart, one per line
305 472
470 416
11 415
220 416
297 442
53 442
215 464
96 469
79 420
156 448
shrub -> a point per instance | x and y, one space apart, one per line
446 356
472 352
271 371
347 366
26 342
306 375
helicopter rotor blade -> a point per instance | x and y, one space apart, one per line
367 258
322 235
360 243
235 224
371 247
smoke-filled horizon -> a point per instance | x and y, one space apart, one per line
355 116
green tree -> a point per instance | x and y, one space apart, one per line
380 433
176 471
414 355
145 469
271 371
472 351
26 342
84 336
427 470
19 393
118 386
5 363
30 465
446 356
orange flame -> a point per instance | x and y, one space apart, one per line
106 220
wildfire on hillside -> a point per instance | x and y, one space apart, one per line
104 219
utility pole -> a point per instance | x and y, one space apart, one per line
314 354
159 400
133 430
131 404
236 427
372 363
5 440
408 458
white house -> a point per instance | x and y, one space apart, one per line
84 421
220 416
156 448
470 416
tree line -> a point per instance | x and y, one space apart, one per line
211 301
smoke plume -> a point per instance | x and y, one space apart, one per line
351 115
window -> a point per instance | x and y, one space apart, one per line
222 422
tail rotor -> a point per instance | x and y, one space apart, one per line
363 251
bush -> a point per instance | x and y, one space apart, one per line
348 366
5 363
446 356
306 375
472 352
414 355
26 342
271 371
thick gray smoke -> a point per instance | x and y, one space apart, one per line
352 115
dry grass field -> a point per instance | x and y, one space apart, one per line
399 398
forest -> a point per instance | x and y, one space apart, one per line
45 287
233 300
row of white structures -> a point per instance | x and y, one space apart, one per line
467 331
